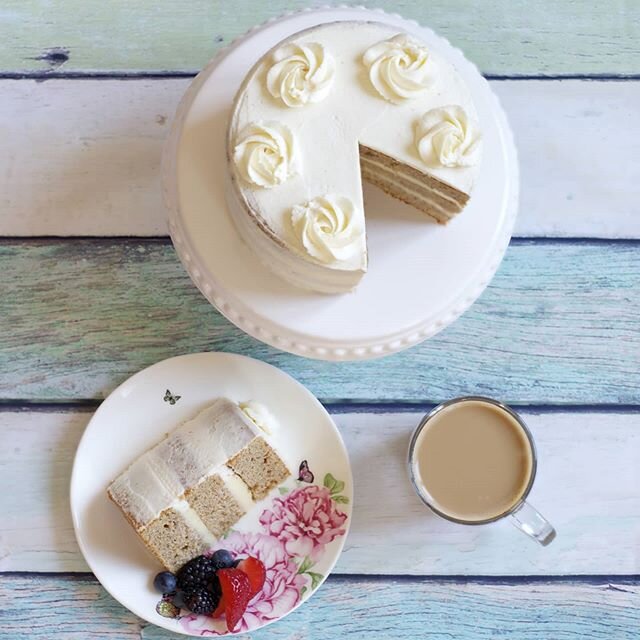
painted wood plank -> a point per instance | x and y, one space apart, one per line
558 324
597 514
86 160
65 607
502 37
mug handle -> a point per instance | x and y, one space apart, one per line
529 521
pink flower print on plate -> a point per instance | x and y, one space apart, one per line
305 520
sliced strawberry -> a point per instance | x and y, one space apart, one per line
236 592
255 571
219 609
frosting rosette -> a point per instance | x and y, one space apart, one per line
266 154
301 73
448 137
400 68
326 228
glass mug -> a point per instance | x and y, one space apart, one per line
472 460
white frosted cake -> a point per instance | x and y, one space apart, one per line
184 493
325 109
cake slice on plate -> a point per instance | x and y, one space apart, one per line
184 493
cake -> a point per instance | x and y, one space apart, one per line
325 109
188 490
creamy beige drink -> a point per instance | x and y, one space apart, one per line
472 461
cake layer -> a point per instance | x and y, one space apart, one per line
260 467
176 536
216 505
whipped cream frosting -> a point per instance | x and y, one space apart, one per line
400 68
448 137
326 227
266 154
301 73
260 416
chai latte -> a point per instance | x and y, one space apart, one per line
472 461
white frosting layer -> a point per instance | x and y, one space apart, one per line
192 451
301 73
266 154
448 137
400 68
237 487
327 134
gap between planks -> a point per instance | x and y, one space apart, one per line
87 159
586 485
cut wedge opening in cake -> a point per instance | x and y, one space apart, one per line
188 490
436 198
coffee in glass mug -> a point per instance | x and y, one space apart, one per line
472 460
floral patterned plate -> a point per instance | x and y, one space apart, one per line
298 531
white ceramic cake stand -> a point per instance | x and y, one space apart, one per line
421 276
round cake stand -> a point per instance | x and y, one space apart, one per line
421 276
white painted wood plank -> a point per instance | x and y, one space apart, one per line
81 157
587 486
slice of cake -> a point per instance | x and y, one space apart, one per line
184 493
324 110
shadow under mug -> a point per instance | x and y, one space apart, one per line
521 514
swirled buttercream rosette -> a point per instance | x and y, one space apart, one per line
301 74
327 229
266 154
448 137
400 68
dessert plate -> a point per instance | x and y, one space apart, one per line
140 411
421 275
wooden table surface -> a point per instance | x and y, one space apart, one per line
92 291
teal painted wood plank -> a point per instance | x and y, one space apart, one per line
38 607
559 324
502 37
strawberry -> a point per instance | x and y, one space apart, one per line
255 571
236 592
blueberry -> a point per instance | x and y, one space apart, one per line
165 582
222 559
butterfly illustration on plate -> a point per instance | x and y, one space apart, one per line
170 398
304 473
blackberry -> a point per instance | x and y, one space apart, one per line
196 574
202 601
